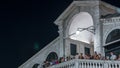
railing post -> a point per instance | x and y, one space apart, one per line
105 64
76 64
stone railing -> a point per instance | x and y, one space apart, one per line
77 63
111 20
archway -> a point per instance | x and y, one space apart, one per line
81 20
52 56
113 36
35 65
113 42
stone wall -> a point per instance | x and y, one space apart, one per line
41 56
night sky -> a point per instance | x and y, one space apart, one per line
26 26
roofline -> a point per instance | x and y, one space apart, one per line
109 5
74 4
71 7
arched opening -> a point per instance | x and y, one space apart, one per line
113 42
52 56
35 65
82 20
113 36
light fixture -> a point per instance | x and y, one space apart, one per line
90 29
77 32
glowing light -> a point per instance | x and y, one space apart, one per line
77 32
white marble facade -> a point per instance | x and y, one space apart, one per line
61 45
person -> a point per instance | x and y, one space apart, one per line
62 59
118 57
113 56
81 56
56 61
100 57
43 65
53 62
86 56
107 58
95 56
68 58
77 56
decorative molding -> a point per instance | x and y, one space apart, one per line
106 21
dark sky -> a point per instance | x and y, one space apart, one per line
26 23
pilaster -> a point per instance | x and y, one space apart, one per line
62 47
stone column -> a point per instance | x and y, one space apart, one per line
98 30
62 48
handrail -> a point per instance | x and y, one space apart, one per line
83 63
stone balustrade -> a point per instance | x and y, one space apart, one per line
78 63
111 20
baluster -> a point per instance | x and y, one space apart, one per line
110 65
73 65
116 65
76 64
96 66
106 65
79 64
82 65
119 66
65 66
113 66
85 64
70 66
93 65
102 65
90 65
99 65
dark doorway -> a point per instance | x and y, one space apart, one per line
52 56
73 49
114 47
87 51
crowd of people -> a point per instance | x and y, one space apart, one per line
80 56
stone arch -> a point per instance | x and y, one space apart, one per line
112 44
113 36
77 15
52 56
107 33
35 65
